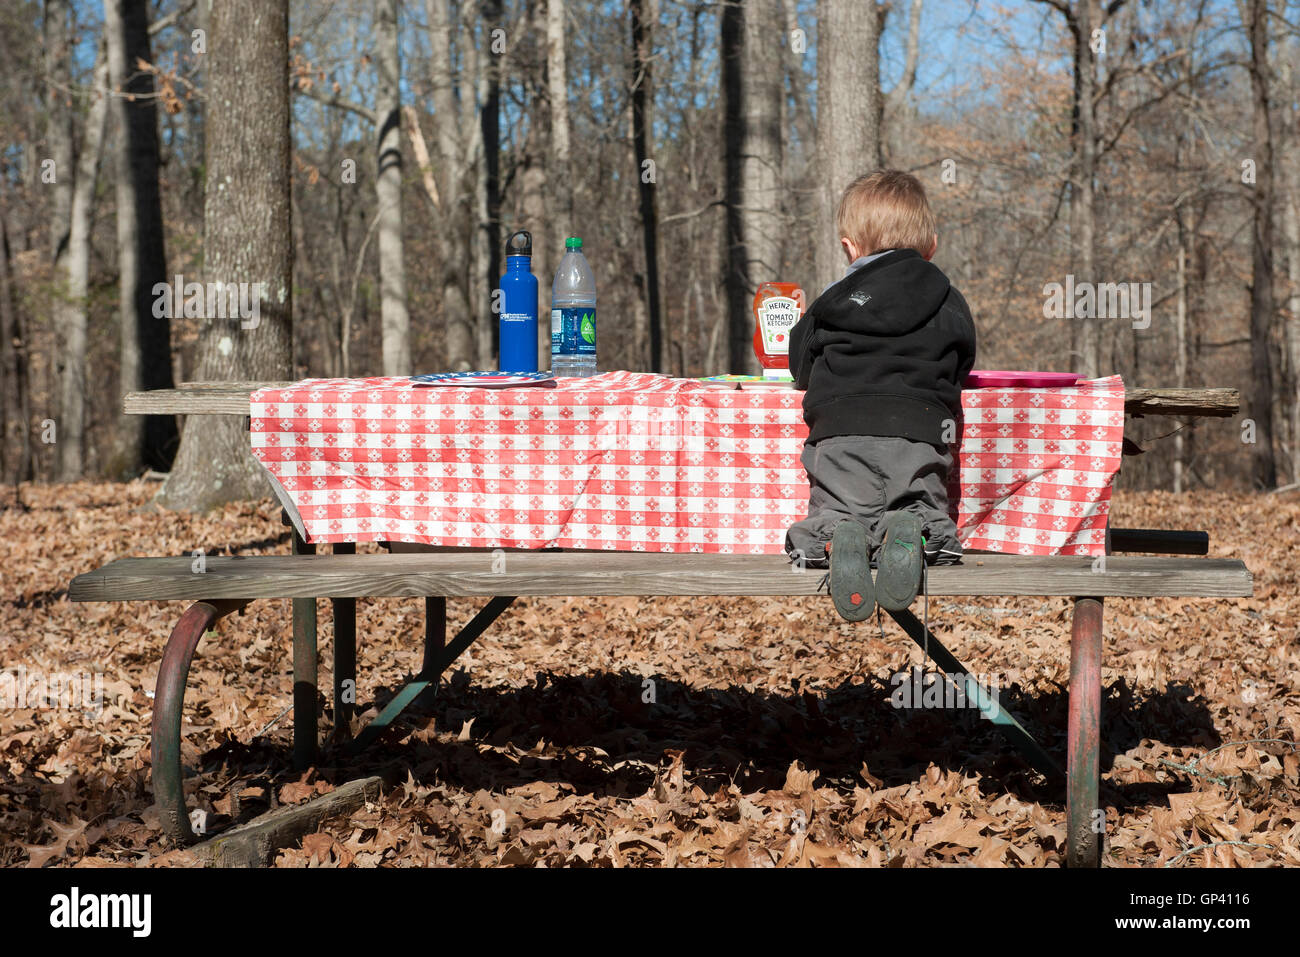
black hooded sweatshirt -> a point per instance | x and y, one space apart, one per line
883 352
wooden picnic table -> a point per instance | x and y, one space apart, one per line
231 398
230 583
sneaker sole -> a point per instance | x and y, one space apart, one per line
851 572
898 573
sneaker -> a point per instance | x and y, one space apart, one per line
899 562
942 556
851 589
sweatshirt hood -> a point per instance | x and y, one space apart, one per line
890 296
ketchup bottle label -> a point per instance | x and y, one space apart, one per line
777 307
776 317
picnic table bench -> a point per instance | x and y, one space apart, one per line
230 583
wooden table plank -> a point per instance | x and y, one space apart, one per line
196 398
1216 403
231 398
628 573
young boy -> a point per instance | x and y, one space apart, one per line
881 354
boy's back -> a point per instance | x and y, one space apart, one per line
881 355
883 352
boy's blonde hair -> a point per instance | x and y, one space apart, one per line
886 209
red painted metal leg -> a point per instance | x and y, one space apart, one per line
1085 825
169 698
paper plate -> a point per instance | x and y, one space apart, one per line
484 380
732 377
988 379
760 383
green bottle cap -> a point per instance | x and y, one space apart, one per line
573 242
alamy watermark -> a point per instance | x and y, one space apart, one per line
212 300
917 688
57 691
74 910
1098 300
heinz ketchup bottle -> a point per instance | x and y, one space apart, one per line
777 307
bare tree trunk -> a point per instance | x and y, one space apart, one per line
453 213
642 92
1261 286
557 89
74 306
561 175
59 132
62 176
1291 229
143 441
1290 172
16 438
395 321
755 93
1180 351
491 124
1080 19
479 256
848 98
485 249
1084 201
535 181
731 30
1186 243
248 238
761 147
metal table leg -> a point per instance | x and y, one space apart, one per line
304 672
345 656
434 666
435 631
1084 824
989 708
169 699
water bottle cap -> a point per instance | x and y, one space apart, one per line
573 242
520 243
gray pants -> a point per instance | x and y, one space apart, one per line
861 477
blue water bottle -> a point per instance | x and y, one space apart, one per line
518 322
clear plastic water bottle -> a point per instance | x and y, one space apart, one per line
573 314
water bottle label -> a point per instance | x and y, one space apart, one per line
573 331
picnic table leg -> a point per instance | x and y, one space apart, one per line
345 656
304 672
435 631
431 670
987 703
1083 739
169 699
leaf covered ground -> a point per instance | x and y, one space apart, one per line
654 732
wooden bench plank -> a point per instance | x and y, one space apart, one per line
628 573
231 398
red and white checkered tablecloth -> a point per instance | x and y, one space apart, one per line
642 462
